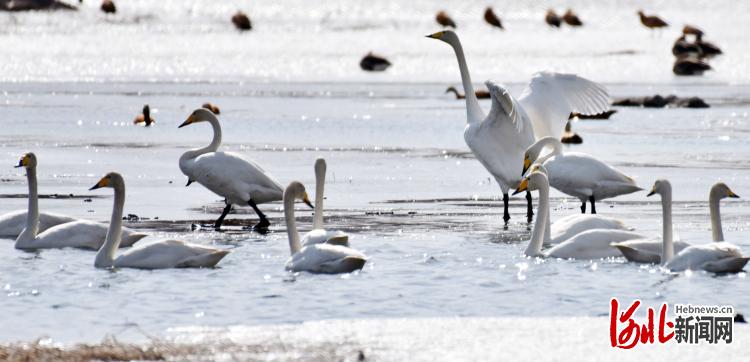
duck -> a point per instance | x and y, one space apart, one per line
715 257
239 180
108 7
683 48
571 18
321 258
241 21
586 245
82 234
648 250
692 30
570 137
579 174
211 107
652 21
443 19
552 19
162 254
318 234
492 19
707 49
480 94
374 63
687 66
603 115
145 117
499 139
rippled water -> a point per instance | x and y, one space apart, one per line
400 178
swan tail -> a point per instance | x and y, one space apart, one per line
342 240
637 256
347 264
131 239
731 264
207 260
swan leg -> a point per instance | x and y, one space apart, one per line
583 207
529 207
506 214
263 223
593 207
220 220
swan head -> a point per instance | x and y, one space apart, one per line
112 179
198 115
661 187
320 166
537 167
448 36
532 153
534 181
296 191
28 161
721 190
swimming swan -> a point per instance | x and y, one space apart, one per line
571 225
650 250
74 234
316 258
161 254
499 139
579 174
590 244
227 174
319 235
715 257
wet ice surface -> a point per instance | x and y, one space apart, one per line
400 181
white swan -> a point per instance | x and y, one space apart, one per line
590 244
716 257
578 174
316 258
227 174
499 139
571 225
161 254
319 235
13 223
650 250
75 234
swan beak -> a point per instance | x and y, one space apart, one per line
307 201
523 186
436 35
189 182
526 165
653 191
104 182
188 121
732 194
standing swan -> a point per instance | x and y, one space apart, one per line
649 250
74 234
161 254
238 180
319 235
590 244
579 174
716 257
316 258
499 139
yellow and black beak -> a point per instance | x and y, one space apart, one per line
188 121
526 165
653 191
732 194
23 162
523 186
437 35
307 201
104 182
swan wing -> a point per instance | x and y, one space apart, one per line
504 107
711 255
326 258
12 223
581 175
169 254
591 244
319 236
565 228
550 97
82 234
232 176
646 250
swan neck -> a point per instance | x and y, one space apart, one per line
552 142
291 224
717 232
540 225
32 214
473 110
320 180
668 244
212 147
105 257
